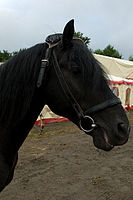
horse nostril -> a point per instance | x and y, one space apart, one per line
123 133
123 129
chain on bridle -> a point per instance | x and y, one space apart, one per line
83 116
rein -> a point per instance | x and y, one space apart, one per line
83 116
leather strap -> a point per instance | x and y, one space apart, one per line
44 65
66 89
102 106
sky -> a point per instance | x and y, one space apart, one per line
24 23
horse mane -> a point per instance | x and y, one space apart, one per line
18 77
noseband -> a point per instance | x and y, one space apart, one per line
86 123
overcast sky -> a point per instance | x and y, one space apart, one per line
24 23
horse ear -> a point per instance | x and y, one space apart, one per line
68 33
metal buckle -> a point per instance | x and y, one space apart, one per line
45 61
87 120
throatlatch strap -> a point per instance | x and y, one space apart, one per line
45 63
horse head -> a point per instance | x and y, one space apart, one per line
77 88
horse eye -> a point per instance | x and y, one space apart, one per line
76 70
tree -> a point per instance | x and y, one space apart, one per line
109 51
5 55
98 51
130 58
85 39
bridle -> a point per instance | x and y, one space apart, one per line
83 116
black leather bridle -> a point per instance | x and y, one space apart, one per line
83 116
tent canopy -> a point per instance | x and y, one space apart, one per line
116 67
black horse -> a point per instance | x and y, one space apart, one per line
63 74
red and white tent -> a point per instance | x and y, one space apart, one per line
47 116
120 76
